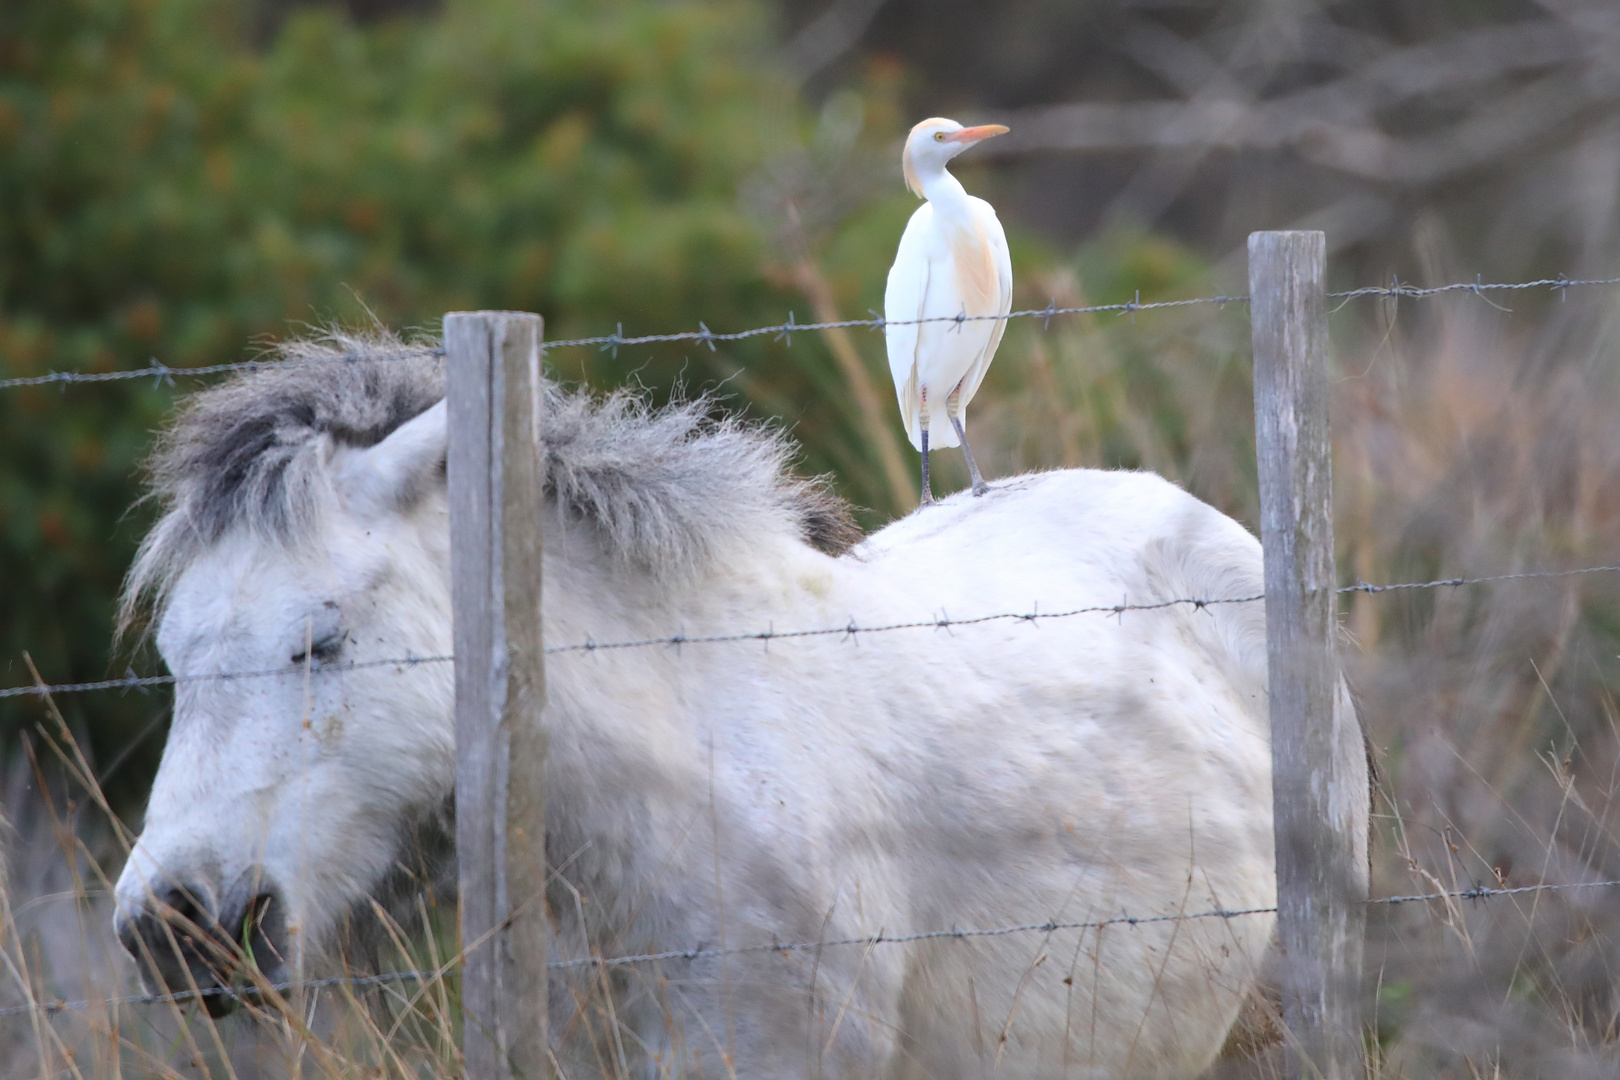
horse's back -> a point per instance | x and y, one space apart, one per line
1048 544
1078 523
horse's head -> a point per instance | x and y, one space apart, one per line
304 537
285 801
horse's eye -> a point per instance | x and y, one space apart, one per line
323 651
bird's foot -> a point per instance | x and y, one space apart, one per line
980 488
927 498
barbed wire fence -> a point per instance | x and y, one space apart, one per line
164 374
852 630
1475 894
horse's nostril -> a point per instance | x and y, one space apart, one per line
183 942
258 926
179 945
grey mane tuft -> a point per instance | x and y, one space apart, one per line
668 487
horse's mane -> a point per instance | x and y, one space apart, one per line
668 487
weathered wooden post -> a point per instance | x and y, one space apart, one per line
1319 887
492 375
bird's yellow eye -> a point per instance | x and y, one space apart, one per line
939 136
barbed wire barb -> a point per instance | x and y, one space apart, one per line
132 681
1479 292
1133 306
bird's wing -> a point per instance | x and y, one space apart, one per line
903 301
997 239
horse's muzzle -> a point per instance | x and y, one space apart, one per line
184 944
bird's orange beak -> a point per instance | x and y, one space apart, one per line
975 134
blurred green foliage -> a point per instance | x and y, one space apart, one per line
171 187
170 191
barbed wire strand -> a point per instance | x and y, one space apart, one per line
162 373
1558 284
1476 893
140 682
1527 575
183 996
783 331
851 629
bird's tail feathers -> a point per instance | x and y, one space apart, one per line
910 406
941 435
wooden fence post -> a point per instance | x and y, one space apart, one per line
1320 913
492 383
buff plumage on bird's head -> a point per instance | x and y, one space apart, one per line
907 169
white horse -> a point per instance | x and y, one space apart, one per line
1065 769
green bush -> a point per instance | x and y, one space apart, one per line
170 191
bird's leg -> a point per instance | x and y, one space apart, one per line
951 409
927 493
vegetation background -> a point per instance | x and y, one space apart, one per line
189 180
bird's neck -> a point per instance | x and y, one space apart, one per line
948 197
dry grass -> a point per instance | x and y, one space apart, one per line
1488 444
1468 442
57 946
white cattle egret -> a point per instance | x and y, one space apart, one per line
952 263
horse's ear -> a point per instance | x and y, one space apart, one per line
397 470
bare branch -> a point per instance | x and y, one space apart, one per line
829 36
1335 124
